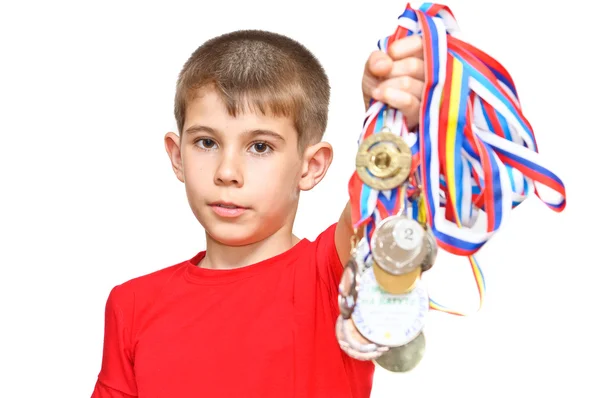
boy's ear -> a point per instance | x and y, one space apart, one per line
316 161
172 145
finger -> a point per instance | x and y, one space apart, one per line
411 46
412 66
378 64
405 84
363 356
403 101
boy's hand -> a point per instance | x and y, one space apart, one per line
397 78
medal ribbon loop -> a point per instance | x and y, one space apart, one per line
474 150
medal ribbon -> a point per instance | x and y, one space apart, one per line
369 205
474 150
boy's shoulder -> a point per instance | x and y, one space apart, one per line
147 285
157 277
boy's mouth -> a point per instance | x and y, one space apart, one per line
227 209
227 205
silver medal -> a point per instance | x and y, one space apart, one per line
404 358
397 245
364 258
360 260
347 289
431 250
389 319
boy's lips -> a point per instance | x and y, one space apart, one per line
227 209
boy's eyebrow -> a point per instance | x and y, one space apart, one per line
195 129
272 134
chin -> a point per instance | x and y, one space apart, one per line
245 230
232 233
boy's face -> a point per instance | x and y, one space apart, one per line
242 174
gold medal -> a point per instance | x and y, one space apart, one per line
396 284
404 358
383 161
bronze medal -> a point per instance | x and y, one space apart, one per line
404 358
397 245
383 161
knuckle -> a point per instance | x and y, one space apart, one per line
412 65
415 106
396 47
404 82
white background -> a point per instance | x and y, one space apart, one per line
88 198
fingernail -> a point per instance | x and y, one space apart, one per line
377 93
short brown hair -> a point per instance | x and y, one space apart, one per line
259 71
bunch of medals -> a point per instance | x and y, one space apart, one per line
382 301
413 192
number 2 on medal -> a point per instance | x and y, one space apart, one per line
408 233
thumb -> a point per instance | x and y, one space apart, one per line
378 64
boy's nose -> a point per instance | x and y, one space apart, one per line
229 171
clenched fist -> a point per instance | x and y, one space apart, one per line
397 77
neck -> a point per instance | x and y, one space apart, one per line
222 256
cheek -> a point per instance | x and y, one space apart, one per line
277 179
197 170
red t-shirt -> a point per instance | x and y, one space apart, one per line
265 330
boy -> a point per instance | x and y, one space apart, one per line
253 315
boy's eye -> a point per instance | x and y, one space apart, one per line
261 147
206 143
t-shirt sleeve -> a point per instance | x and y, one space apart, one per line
103 391
329 266
116 378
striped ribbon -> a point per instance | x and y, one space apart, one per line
474 150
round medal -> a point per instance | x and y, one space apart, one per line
431 251
363 257
389 319
396 284
404 358
347 288
383 161
408 233
397 245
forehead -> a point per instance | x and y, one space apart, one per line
207 108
